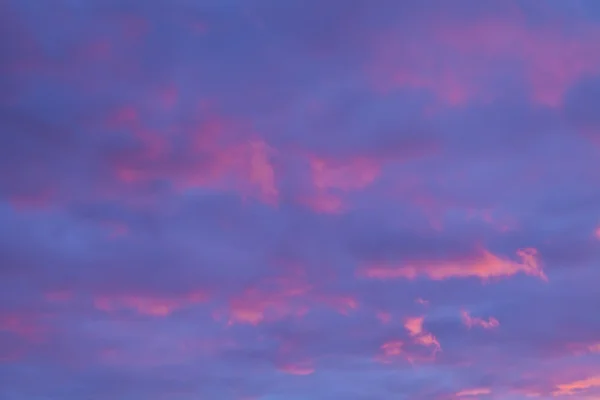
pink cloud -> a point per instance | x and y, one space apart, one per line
552 59
325 203
414 326
470 321
580 349
280 297
216 160
331 178
261 172
349 175
148 305
246 165
594 348
301 369
474 392
483 265
578 387
256 305
152 156
390 351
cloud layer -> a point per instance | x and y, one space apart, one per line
281 200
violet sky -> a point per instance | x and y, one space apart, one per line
299 199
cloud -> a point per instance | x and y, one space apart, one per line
390 350
414 326
147 305
298 369
470 321
471 51
484 266
231 199
576 387
473 392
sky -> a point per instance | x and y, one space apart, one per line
299 199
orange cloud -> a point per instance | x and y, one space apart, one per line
414 325
475 321
473 392
484 265
577 387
